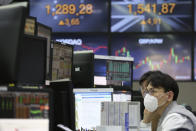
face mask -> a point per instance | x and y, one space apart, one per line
150 103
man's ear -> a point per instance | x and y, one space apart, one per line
170 95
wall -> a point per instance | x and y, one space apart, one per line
187 93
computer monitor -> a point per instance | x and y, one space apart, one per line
62 59
88 106
12 20
32 61
121 96
83 67
46 32
26 109
113 71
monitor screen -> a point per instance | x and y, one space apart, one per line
151 16
113 70
83 67
32 61
72 16
25 110
97 43
12 21
46 32
24 104
170 53
62 57
121 96
88 106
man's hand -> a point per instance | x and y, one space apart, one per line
148 116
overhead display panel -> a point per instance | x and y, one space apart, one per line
72 15
170 53
151 15
97 43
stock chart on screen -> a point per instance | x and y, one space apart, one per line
151 15
170 53
97 43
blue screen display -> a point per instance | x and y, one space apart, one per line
151 15
166 52
71 15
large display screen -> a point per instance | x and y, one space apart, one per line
170 53
97 43
151 15
72 15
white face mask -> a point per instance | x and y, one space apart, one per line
150 103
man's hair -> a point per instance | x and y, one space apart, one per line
164 81
145 76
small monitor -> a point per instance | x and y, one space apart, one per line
88 106
12 21
113 71
62 57
46 32
25 109
83 67
121 96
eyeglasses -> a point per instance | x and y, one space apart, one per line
151 91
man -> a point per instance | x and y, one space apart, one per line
149 117
160 100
